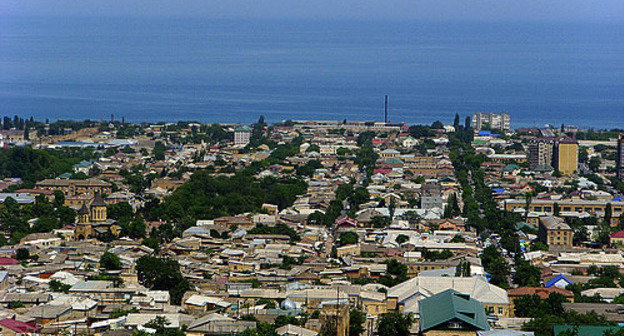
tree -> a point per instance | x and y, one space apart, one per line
57 286
391 207
159 151
348 238
463 269
594 163
527 274
400 239
315 218
119 210
356 322
608 213
22 254
456 121
59 199
494 263
110 261
395 324
152 242
380 222
162 274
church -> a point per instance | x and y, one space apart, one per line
93 221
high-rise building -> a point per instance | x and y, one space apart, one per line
242 135
619 158
499 121
541 152
565 156
560 153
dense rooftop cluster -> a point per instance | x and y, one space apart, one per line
310 228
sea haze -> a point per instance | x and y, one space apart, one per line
236 70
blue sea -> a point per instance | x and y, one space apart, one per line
164 69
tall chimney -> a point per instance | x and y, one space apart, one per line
386 110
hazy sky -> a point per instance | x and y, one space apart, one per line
498 10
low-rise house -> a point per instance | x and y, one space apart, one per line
451 313
554 231
405 296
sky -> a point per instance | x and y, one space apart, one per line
435 10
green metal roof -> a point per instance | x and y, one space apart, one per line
243 128
511 167
451 305
583 330
393 161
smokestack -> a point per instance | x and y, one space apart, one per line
386 110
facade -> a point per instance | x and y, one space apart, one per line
540 152
569 207
499 121
451 313
71 187
565 156
93 221
559 153
619 159
242 135
554 231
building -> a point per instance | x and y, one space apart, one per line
451 313
499 121
540 152
616 238
619 158
406 296
565 156
568 207
242 135
555 232
93 221
560 153
71 187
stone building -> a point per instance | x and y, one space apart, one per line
93 221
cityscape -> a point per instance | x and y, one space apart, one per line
311 227
311 168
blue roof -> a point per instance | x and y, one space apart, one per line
558 277
498 190
618 198
485 132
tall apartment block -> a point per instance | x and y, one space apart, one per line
560 153
500 121
619 159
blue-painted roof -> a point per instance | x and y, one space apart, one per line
498 190
485 132
558 277
618 198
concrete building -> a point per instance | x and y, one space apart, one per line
554 231
619 158
242 135
565 156
540 152
71 187
559 153
500 121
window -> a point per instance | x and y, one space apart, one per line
500 310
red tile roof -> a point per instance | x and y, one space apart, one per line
17 326
8 261
542 292
619 234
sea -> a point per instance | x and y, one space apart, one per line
235 70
